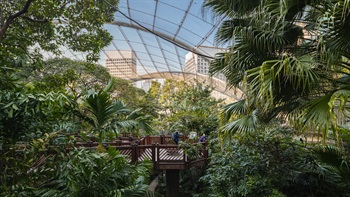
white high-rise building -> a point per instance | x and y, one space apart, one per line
121 64
197 64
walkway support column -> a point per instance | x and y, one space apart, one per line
172 183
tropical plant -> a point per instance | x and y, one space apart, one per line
189 182
28 115
105 115
334 163
62 74
268 163
80 172
295 65
86 173
29 164
191 150
180 107
125 91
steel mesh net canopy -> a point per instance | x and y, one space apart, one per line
160 33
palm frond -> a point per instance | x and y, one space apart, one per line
330 155
244 124
110 84
282 80
232 110
100 107
317 112
334 160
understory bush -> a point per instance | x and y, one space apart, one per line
80 172
268 164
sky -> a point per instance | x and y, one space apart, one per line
153 52
179 20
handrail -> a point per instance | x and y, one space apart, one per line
140 150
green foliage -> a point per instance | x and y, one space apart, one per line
267 164
28 164
295 66
129 94
8 81
27 27
86 173
76 173
181 107
60 74
27 115
149 102
105 115
191 150
189 182
334 163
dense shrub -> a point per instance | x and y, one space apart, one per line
78 173
267 164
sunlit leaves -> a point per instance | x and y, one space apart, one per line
49 24
291 59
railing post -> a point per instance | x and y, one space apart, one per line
134 155
148 140
172 183
157 157
205 150
153 152
162 139
154 157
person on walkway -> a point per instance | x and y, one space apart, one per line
175 137
202 139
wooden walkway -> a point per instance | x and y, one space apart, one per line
159 150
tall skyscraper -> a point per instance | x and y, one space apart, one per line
197 64
121 64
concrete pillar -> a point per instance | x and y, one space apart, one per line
172 183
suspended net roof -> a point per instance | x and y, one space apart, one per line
160 33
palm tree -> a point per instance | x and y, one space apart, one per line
290 57
104 115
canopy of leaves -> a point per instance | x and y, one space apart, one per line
290 57
185 107
28 27
60 74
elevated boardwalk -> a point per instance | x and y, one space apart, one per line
165 155
159 150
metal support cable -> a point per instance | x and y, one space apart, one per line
152 32
183 19
155 14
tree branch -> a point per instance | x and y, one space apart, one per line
35 20
12 17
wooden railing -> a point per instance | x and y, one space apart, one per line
161 150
